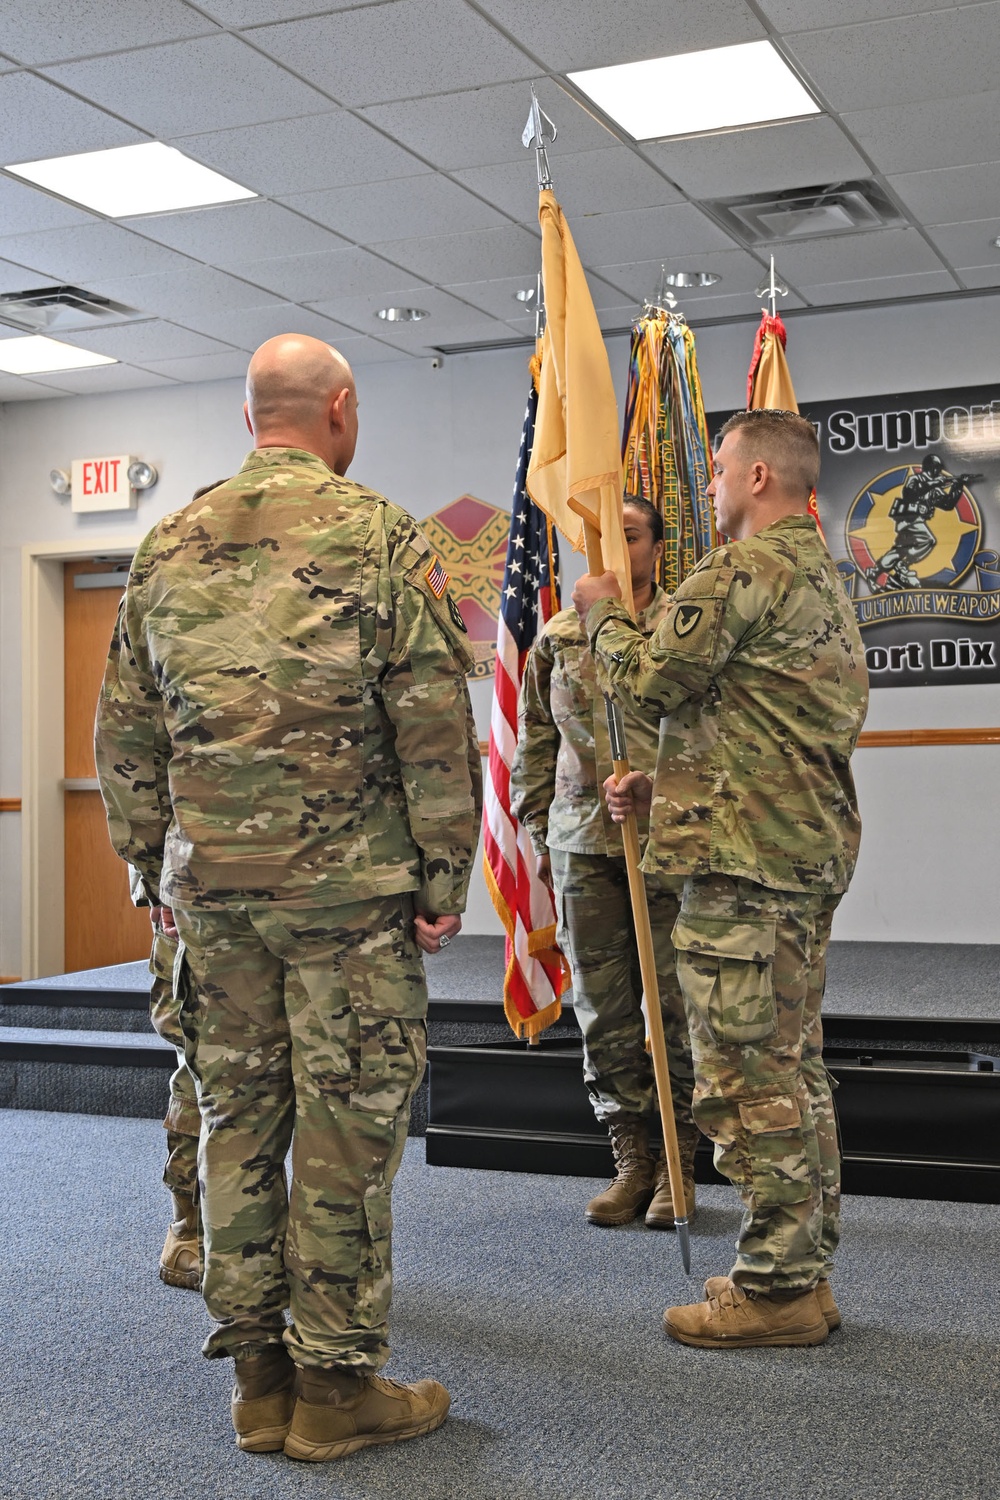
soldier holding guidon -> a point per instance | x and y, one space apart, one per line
556 795
756 677
287 752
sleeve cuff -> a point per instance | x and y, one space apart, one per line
599 615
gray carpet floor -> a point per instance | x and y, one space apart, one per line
546 1331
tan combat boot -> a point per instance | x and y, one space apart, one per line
626 1197
341 1410
824 1296
180 1259
660 1214
737 1318
263 1399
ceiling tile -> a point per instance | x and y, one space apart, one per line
13 388
971 244
485 125
134 343
934 56
300 156
184 294
24 209
361 352
254 12
50 30
802 153
17 278
185 88
227 234
229 366
949 195
359 311
589 182
250 327
481 254
401 209
312 278
497 297
877 288
424 338
738 272
87 251
593 34
647 234
393 51
928 133
813 15
37 120
846 257
703 307
103 378
977 276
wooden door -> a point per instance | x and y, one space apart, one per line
102 925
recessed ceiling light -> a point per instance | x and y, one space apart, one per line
525 294
37 355
127 180
693 92
691 278
402 314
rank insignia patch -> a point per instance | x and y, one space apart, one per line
437 578
456 616
686 618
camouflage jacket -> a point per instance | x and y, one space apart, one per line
563 754
285 716
758 673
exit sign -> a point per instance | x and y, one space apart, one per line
102 484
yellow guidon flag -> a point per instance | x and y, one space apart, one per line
575 474
769 383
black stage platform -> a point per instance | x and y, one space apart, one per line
912 1040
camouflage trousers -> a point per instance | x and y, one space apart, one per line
304 1028
596 933
752 964
183 1120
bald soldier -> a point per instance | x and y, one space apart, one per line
288 756
756 676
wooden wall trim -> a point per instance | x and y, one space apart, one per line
874 739
10 804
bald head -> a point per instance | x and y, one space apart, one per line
301 394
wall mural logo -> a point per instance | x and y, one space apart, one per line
470 537
911 486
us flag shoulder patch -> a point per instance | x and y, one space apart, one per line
437 578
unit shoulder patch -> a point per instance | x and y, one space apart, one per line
686 618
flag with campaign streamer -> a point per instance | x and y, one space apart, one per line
769 382
536 972
575 473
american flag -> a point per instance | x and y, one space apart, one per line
536 973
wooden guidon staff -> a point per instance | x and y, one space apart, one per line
644 943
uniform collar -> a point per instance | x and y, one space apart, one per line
270 458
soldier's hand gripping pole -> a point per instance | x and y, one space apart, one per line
644 943
650 987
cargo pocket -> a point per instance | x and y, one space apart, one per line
374 1288
726 970
392 1039
776 1151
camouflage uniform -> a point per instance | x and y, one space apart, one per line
562 757
287 753
758 673
183 1120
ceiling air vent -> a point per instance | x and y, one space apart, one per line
801 213
43 308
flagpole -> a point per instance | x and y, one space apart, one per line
644 943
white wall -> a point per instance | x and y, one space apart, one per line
932 816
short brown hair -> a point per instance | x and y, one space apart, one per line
783 440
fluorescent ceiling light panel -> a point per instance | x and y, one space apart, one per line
694 92
128 180
37 355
